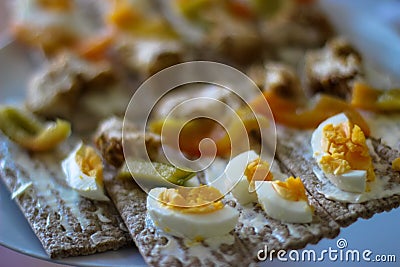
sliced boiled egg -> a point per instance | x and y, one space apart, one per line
340 149
83 169
281 200
196 213
246 168
284 200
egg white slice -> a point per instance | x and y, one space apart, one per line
280 208
242 191
192 226
235 172
85 185
352 180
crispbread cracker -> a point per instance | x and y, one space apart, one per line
64 230
294 150
161 249
384 151
249 236
278 235
265 230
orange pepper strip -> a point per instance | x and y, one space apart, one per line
251 122
56 6
95 48
191 134
196 130
366 97
240 10
320 108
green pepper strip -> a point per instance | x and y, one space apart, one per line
27 131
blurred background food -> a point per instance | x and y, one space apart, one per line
81 60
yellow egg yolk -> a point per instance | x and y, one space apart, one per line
258 170
346 150
89 162
396 164
203 199
58 6
292 189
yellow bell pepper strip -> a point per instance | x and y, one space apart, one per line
309 116
27 131
369 98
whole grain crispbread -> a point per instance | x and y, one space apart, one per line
280 235
250 235
294 151
264 230
65 223
159 248
385 152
